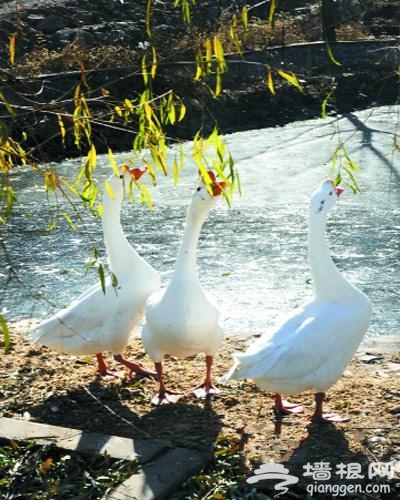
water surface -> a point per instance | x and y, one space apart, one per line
252 256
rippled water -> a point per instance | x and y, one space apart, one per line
253 256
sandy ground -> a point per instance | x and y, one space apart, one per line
49 387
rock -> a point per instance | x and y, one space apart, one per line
51 24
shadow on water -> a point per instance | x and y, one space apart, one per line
369 143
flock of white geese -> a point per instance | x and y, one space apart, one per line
309 350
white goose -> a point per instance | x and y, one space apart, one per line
182 320
312 347
97 321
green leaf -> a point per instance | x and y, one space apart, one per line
270 81
324 104
70 221
6 334
271 12
114 280
290 77
102 277
331 56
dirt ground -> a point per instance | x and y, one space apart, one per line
49 387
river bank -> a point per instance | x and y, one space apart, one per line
59 44
48 387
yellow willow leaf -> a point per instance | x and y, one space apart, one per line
77 94
324 104
109 190
11 47
208 47
61 127
145 75
6 334
290 77
51 180
271 13
175 171
128 105
331 56
182 112
8 106
118 110
113 163
245 19
52 226
145 195
153 70
159 158
151 171
218 49
90 193
148 111
92 157
171 113
199 71
104 92
218 84
186 11
354 185
270 82
149 5
69 220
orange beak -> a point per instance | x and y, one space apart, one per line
136 173
339 190
216 187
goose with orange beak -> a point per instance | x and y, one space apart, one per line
100 321
182 319
311 348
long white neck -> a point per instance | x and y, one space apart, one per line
329 283
119 250
186 263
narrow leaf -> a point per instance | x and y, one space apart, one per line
62 128
324 104
290 77
113 163
6 334
102 277
70 221
270 82
331 56
271 13
11 47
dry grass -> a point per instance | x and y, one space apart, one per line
63 390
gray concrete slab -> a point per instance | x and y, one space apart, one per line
160 478
82 442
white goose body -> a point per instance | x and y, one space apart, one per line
311 348
309 351
98 321
182 319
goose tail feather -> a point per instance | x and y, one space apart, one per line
233 373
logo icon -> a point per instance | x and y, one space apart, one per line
273 470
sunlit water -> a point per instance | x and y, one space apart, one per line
252 257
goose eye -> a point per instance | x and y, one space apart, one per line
198 189
121 176
330 193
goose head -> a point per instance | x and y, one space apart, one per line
325 197
206 193
119 183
